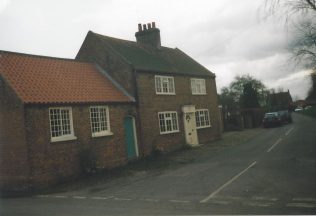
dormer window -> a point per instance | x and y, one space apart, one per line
164 85
198 86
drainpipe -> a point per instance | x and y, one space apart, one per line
140 131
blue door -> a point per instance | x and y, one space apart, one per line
130 137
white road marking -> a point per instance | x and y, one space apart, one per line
277 142
305 199
79 197
100 198
151 200
289 131
179 201
59 196
227 183
301 205
258 204
265 198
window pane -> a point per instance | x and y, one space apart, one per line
99 119
158 84
168 122
174 121
171 85
60 122
197 118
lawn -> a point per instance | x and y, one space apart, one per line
310 112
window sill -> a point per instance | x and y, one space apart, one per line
204 127
63 138
169 132
102 134
199 93
165 93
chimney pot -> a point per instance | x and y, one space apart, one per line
148 35
140 27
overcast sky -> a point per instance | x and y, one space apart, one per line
229 37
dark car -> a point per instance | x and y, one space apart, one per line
271 119
285 116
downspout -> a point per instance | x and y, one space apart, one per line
140 128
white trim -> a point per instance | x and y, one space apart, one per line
168 112
103 132
161 86
66 137
194 85
63 138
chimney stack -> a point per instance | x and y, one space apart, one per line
148 35
140 27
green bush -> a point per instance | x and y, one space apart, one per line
310 112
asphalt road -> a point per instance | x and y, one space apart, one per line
272 173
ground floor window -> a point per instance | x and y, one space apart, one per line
100 121
168 122
61 125
202 118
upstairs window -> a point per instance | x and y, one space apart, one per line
100 121
202 118
61 125
168 122
164 85
198 86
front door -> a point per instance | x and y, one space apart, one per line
190 125
130 137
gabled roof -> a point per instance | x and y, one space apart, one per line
39 79
281 97
147 58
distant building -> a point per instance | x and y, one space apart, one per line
279 101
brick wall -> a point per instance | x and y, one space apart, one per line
150 104
96 51
13 151
52 162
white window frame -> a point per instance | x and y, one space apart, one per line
202 118
174 127
160 81
198 86
62 137
107 131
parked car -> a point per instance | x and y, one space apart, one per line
298 109
285 116
271 119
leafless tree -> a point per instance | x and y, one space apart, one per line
300 18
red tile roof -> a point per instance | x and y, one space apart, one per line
38 79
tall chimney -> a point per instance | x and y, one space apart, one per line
140 27
149 35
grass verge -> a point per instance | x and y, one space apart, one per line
310 112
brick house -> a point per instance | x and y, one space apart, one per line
58 117
176 96
279 101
